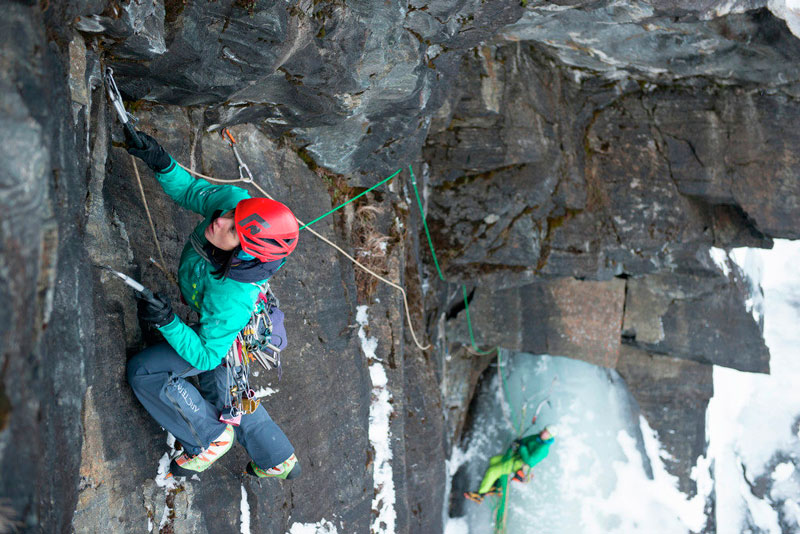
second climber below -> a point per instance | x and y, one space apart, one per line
241 242
523 454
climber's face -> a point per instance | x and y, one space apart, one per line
221 232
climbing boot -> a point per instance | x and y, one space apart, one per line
288 469
187 465
474 496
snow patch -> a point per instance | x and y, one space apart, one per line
456 525
162 481
368 345
690 511
164 517
791 511
720 258
322 527
245 508
379 432
659 505
265 392
163 469
788 10
783 471
751 416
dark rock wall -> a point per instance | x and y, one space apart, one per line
576 161
45 279
533 174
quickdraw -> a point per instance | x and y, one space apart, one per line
251 344
115 97
244 171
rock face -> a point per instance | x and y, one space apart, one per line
671 393
576 159
566 316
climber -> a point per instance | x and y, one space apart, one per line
240 242
523 454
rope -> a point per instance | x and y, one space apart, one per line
425 224
161 266
351 200
469 325
436 263
329 242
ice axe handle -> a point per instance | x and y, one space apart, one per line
133 136
146 294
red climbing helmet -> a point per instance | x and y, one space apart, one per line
267 229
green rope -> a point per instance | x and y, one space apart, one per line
425 224
436 262
469 324
352 199
506 396
500 510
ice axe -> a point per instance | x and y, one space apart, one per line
124 117
145 293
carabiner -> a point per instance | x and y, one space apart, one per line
225 133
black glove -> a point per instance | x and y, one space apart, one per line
151 153
156 310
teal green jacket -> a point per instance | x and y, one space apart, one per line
224 305
534 449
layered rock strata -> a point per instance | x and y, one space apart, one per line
576 159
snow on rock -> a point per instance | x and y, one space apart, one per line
788 10
265 392
690 511
783 471
168 483
720 258
456 525
163 470
379 433
245 507
751 417
322 527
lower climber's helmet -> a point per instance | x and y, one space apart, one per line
267 229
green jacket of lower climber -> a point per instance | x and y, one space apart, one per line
532 450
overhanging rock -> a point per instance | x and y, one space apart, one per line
567 317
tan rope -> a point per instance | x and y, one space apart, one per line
161 266
326 240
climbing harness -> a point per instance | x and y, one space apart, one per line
253 343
